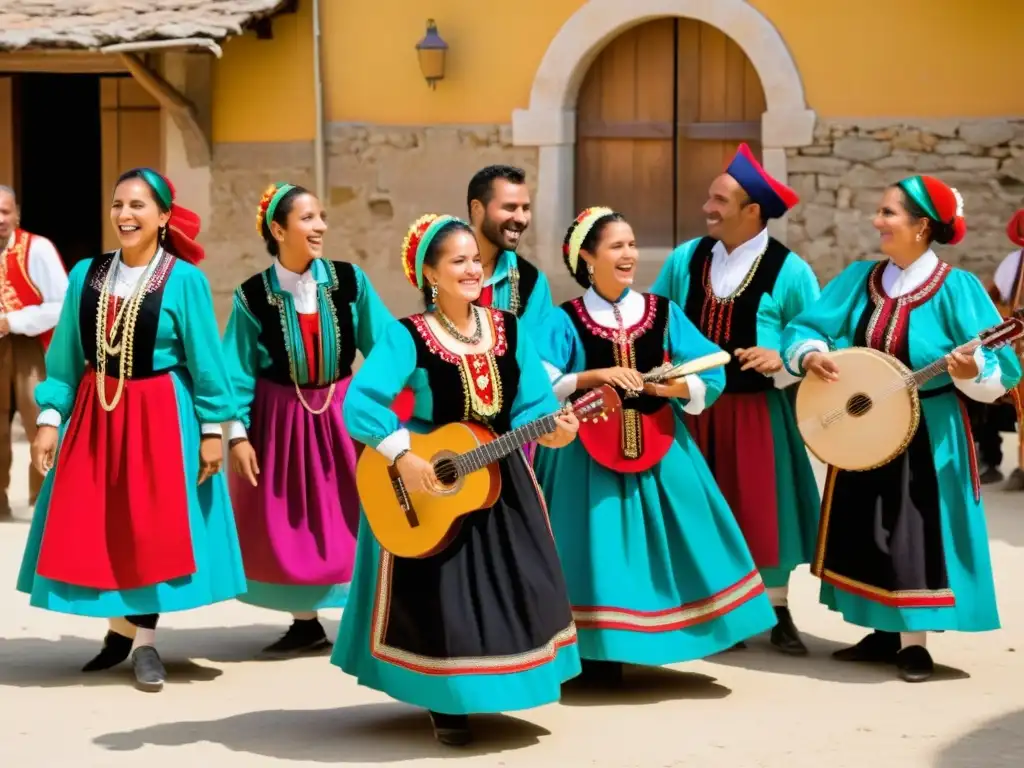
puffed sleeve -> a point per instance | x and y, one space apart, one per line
796 288
65 360
826 324
535 397
241 355
686 343
212 392
559 347
971 312
367 406
370 315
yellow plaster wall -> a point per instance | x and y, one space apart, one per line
873 58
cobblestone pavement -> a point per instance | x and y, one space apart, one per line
745 709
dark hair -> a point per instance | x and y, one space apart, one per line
284 207
760 210
590 243
481 186
434 249
938 231
139 173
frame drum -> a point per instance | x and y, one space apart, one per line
864 420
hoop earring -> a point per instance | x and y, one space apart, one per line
433 294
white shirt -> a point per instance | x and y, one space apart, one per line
46 270
632 307
898 282
729 270
125 280
1005 274
303 289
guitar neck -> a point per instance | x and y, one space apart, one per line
939 366
502 446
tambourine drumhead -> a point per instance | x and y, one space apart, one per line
872 438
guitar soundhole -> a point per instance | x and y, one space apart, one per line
858 405
446 472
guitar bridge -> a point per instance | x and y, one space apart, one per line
402 495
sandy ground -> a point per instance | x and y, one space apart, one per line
745 709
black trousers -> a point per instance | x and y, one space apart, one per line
987 424
144 621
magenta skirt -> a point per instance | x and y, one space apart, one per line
298 526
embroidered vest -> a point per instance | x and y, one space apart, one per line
17 290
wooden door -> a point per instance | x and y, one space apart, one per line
660 113
132 136
7 153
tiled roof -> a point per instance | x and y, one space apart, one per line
95 23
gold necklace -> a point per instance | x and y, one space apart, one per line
128 315
452 331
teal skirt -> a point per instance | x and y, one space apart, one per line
657 567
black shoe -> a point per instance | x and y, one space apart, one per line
990 475
878 647
149 669
451 730
740 646
915 664
116 648
303 636
785 636
1016 481
601 673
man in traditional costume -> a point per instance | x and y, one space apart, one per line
988 421
33 282
740 287
499 212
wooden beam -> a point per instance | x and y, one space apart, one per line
60 62
183 111
664 130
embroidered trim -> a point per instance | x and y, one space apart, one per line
513 291
499 342
716 312
466 665
10 301
644 324
910 598
671 619
888 323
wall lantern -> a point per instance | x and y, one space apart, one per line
431 51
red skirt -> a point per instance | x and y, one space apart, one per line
735 436
118 512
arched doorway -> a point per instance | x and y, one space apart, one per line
660 112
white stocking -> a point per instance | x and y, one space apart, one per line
779 596
908 639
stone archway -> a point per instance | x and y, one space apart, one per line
549 123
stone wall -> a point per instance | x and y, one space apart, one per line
840 178
380 179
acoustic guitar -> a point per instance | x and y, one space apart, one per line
868 417
632 441
464 456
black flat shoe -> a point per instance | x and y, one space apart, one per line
785 635
1015 482
149 669
601 673
915 664
303 636
116 648
990 475
451 730
878 647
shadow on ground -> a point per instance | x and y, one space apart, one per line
999 743
644 685
35 662
761 656
369 733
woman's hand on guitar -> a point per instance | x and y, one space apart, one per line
962 365
623 378
417 474
243 461
567 425
763 360
673 388
821 366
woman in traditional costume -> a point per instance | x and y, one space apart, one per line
483 625
290 344
134 518
903 548
657 567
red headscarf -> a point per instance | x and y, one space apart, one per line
1015 229
183 226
